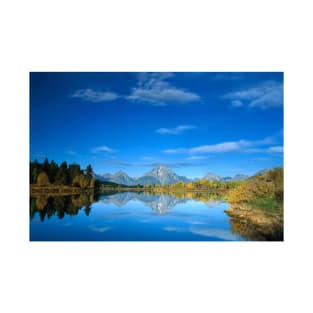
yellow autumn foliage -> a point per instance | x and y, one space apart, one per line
266 185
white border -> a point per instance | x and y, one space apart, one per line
155 36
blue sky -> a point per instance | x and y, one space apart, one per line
195 123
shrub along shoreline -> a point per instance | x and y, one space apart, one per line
258 203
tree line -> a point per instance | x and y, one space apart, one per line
48 173
201 184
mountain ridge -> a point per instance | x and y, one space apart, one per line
160 175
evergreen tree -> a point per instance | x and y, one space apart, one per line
46 166
53 171
35 169
63 174
61 177
73 171
89 171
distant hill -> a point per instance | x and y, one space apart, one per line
111 184
215 177
160 175
212 177
261 172
240 177
119 177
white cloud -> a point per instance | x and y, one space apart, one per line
216 148
203 231
99 228
91 95
270 140
176 130
213 233
197 157
236 103
176 151
103 149
220 147
155 89
276 149
267 95
245 146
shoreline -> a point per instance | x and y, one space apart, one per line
57 190
256 223
71 190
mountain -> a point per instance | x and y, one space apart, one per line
212 177
102 177
122 178
261 172
160 175
165 176
147 180
226 178
240 177
119 177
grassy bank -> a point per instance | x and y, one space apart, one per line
258 204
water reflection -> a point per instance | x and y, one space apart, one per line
160 203
48 206
203 231
255 232
140 216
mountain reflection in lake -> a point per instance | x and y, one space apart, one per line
130 216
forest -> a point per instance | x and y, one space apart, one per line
51 174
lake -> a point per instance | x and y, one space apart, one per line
131 216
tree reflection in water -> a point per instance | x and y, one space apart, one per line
48 206
255 232
160 203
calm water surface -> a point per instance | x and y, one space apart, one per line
130 216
